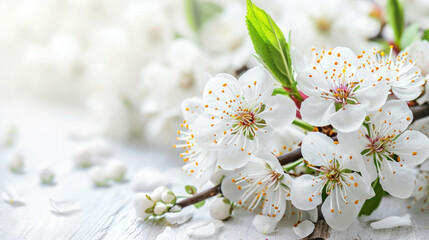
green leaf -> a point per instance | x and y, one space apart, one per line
395 17
270 44
280 91
199 204
410 35
190 189
371 204
199 12
426 35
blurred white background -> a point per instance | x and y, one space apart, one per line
128 64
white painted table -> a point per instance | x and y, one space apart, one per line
107 213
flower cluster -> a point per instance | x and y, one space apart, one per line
350 115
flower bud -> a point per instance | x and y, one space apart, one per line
142 205
221 208
157 193
168 197
217 176
98 176
46 175
15 162
160 208
116 170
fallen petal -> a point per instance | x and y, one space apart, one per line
392 221
63 208
304 229
180 217
167 234
204 229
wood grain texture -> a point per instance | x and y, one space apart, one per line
107 213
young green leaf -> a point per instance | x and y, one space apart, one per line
270 44
371 204
199 204
199 12
426 35
410 35
395 17
190 189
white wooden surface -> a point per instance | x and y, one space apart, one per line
107 213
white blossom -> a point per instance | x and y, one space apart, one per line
337 176
116 169
339 93
142 202
388 148
400 72
261 186
239 116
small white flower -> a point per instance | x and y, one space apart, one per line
220 209
264 224
157 193
12 199
339 93
142 202
168 197
261 186
160 208
239 116
15 162
46 175
388 149
99 176
400 73
200 161
337 177
116 170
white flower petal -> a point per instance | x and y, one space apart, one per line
180 217
373 97
304 229
257 83
392 221
338 212
233 158
412 147
317 111
204 229
317 148
306 192
397 180
349 118
191 109
264 224
279 112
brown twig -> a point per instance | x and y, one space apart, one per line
211 192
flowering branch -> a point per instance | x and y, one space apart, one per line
419 112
